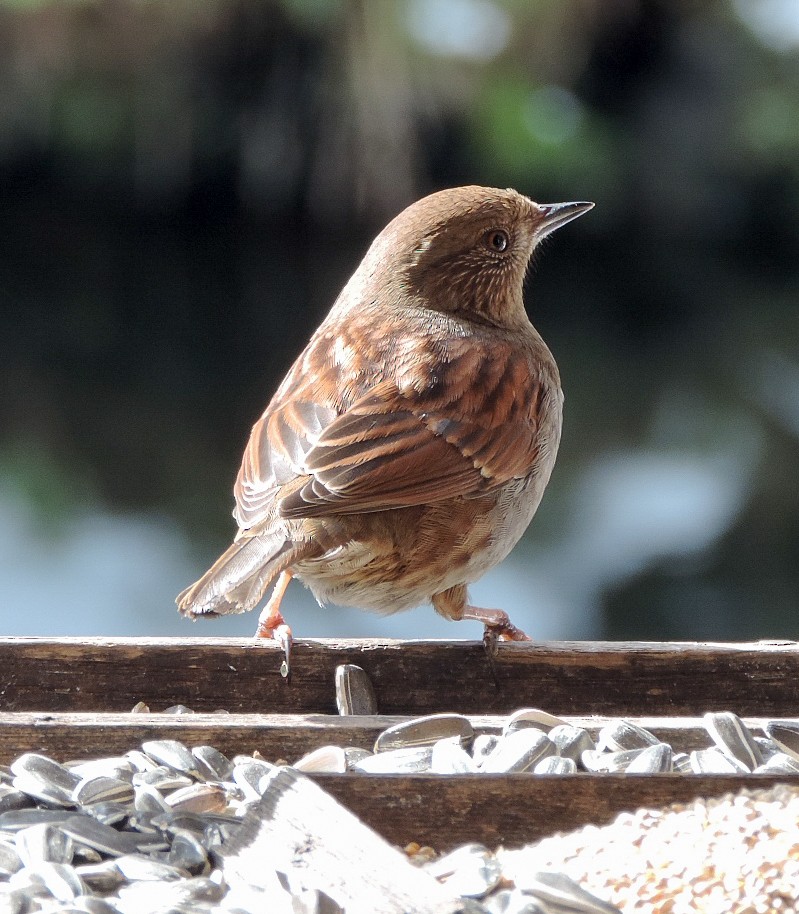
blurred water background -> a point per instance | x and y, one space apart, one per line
186 185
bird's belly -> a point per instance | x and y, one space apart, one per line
395 560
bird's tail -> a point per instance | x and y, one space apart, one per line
238 579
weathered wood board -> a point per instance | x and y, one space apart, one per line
416 677
72 698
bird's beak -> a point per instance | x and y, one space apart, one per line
554 215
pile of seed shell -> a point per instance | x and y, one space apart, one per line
138 830
532 740
144 832
736 854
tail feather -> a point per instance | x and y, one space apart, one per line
238 579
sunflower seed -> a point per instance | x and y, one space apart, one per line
187 853
43 844
137 867
173 754
248 775
101 877
681 761
554 764
786 735
46 793
46 770
83 854
114 767
173 898
767 747
212 764
730 734
355 693
15 819
178 709
162 778
520 750
103 790
140 761
326 758
470 871
101 837
60 880
779 763
714 761
109 813
425 731
194 822
570 741
29 882
409 760
198 798
596 761
10 860
449 757
623 734
558 890
652 759
10 798
531 717
92 905
12 901
148 801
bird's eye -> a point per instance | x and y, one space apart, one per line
496 240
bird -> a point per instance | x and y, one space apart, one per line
409 446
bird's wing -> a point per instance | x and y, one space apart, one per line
275 455
472 425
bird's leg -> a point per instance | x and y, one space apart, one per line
497 624
453 604
271 623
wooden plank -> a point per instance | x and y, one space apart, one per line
440 811
65 736
69 736
513 810
411 677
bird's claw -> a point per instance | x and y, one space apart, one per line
275 628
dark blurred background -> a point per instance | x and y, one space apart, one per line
186 185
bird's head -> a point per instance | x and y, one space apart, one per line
466 250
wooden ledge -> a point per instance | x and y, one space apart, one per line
410 677
72 736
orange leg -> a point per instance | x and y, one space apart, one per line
271 623
452 604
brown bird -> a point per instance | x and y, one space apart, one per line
408 447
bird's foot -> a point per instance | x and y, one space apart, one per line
271 624
498 626
275 627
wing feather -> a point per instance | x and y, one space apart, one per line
484 417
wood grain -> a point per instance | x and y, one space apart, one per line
69 736
513 810
440 811
417 677
71 698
